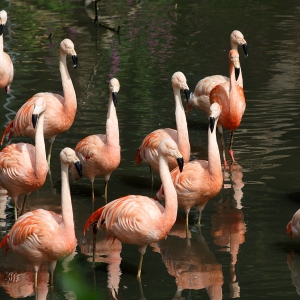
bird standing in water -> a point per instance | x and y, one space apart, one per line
200 180
6 65
24 167
147 152
61 110
100 154
141 220
43 236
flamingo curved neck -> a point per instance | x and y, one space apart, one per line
214 160
67 84
112 126
171 204
181 124
40 150
66 203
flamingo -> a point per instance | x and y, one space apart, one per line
61 110
24 167
147 152
293 227
43 236
141 220
200 180
200 98
6 65
231 98
101 154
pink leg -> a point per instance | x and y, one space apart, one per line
230 147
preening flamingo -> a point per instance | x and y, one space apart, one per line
293 227
200 180
232 100
200 97
147 152
43 236
6 65
24 167
61 110
141 220
100 154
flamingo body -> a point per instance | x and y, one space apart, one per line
23 167
200 180
61 110
6 65
293 227
43 236
100 154
140 220
147 152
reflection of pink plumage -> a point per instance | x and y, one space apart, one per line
23 167
147 152
100 154
43 236
61 110
140 220
6 65
200 180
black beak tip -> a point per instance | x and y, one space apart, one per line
34 119
75 61
245 48
78 167
180 163
187 94
1 29
115 97
212 123
237 73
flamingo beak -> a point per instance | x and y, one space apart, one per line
1 29
237 73
187 94
34 119
75 61
245 48
212 121
180 163
115 96
78 167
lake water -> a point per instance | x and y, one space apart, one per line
242 249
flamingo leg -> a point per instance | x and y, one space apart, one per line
23 205
187 223
51 268
230 147
199 217
105 191
96 12
16 211
152 180
93 192
142 250
49 154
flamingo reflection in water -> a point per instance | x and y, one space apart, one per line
20 283
105 251
293 261
228 225
190 261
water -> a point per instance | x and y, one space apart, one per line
242 249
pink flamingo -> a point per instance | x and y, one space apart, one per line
43 236
6 65
200 98
24 167
293 227
61 110
101 154
200 180
141 220
232 100
147 152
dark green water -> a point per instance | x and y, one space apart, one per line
242 248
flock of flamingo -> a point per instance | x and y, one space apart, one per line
43 236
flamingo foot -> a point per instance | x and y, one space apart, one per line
232 155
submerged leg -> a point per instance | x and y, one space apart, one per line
51 268
105 191
187 223
230 146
